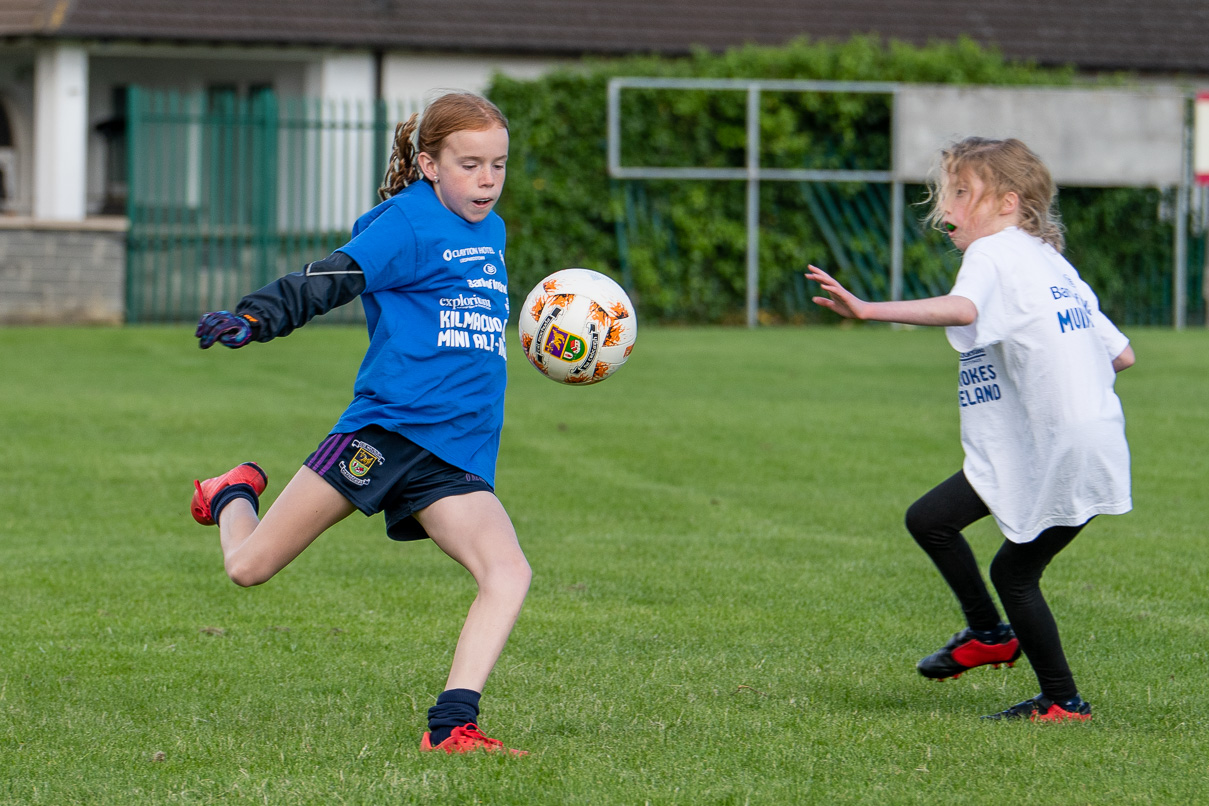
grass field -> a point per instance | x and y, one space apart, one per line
725 608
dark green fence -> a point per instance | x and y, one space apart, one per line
227 193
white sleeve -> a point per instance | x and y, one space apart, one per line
1111 337
978 281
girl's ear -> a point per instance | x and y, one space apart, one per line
428 166
1010 203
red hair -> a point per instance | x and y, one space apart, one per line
453 112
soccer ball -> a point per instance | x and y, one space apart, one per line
577 326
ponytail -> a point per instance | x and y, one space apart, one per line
402 170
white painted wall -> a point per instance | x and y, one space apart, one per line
1087 137
418 76
341 77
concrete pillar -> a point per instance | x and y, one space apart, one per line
60 133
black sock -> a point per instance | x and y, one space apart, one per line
228 494
455 707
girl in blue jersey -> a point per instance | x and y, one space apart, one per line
419 440
1042 429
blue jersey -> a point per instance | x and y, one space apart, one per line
436 304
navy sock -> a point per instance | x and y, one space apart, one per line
993 636
1071 704
228 494
455 707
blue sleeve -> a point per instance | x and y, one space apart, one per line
385 248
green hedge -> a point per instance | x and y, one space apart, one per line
679 247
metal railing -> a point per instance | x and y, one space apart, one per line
227 193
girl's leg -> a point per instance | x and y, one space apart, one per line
1016 572
254 550
936 521
475 530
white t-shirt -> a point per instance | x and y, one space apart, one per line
1042 429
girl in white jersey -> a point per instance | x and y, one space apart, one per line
420 438
1041 427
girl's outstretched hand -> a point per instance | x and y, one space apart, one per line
838 299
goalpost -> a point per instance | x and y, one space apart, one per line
1087 137
752 172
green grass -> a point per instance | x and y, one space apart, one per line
725 608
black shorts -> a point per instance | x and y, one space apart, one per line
381 471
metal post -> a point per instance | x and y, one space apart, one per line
614 127
135 234
896 240
753 204
751 173
1179 301
897 192
1203 226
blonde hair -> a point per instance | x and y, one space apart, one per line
453 112
1004 166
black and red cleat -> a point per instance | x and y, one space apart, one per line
966 651
1043 709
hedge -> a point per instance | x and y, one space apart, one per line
679 247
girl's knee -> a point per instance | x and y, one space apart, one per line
922 526
914 520
247 574
520 573
998 573
510 577
1011 581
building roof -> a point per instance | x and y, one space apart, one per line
1152 36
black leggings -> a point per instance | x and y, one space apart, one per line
936 521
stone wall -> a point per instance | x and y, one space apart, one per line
62 272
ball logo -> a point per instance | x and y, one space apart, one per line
576 326
567 346
488 269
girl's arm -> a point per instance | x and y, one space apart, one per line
287 303
946 311
291 301
1125 360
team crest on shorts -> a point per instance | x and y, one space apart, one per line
362 462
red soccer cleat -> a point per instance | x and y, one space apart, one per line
964 652
468 739
1043 709
248 473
